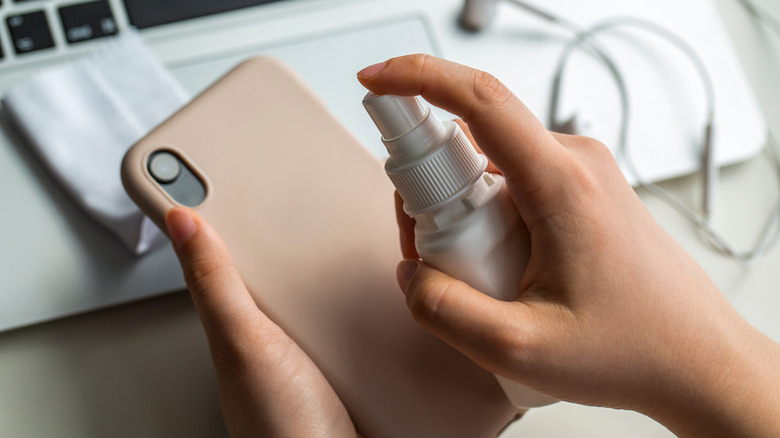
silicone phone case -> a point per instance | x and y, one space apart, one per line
307 214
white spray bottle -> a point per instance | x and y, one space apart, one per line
466 222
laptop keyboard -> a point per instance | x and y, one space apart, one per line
32 26
147 13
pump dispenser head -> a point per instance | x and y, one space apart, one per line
394 115
409 129
430 162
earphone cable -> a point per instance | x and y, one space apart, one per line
766 239
770 232
761 15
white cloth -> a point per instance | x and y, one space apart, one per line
82 117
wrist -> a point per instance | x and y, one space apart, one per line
746 394
727 385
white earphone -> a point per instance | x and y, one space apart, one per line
477 15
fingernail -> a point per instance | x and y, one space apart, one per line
181 226
405 271
371 70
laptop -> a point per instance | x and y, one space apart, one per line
55 261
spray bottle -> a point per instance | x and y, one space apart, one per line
466 222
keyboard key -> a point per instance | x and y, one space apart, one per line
29 32
87 21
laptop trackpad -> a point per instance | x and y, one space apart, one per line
328 63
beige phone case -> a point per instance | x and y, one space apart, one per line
307 214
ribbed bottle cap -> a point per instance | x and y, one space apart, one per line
429 163
439 176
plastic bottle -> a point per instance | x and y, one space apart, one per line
466 222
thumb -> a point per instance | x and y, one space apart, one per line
495 334
218 292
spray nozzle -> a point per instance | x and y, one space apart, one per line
409 129
394 115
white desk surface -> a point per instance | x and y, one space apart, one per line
143 369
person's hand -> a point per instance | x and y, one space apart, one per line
268 386
612 311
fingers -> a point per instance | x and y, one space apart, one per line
509 134
217 290
405 230
485 329
490 167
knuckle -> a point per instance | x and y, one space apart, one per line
230 355
419 60
586 166
598 150
590 192
204 275
592 149
512 339
424 300
488 89
519 344
248 345
581 175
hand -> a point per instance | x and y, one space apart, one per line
612 311
267 385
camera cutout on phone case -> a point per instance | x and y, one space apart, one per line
176 178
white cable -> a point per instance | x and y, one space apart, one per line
771 231
702 221
761 15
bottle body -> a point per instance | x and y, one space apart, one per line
480 239
466 222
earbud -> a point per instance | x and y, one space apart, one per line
477 14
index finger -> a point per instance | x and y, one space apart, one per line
509 134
